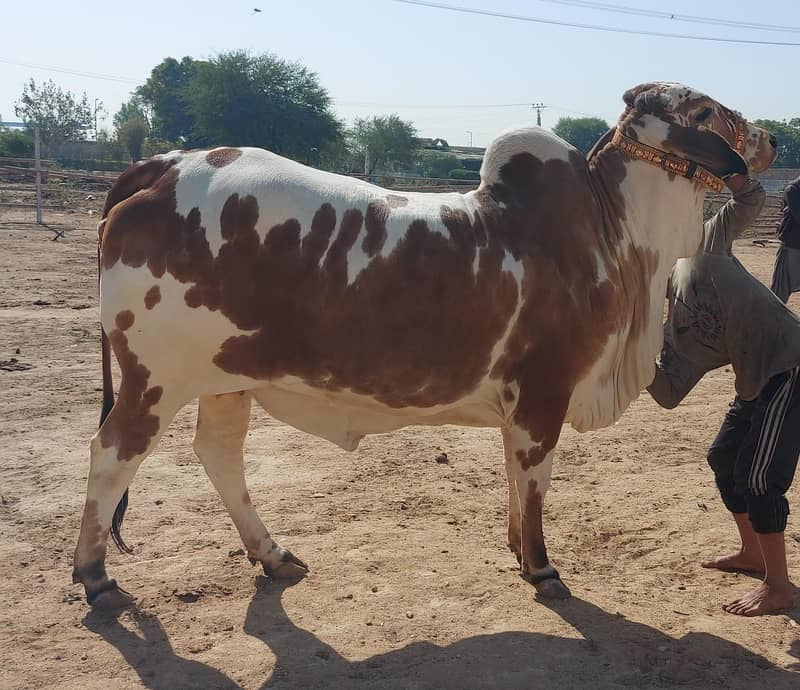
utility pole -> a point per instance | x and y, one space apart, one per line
37 154
538 107
469 131
96 108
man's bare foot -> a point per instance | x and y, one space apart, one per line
741 561
763 599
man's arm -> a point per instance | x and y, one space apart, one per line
738 214
675 377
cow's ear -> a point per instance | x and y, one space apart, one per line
648 99
706 148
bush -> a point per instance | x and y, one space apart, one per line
154 146
16 143
462 174
471 163
435 164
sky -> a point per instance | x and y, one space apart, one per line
381 56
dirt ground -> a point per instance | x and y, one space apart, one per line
411 585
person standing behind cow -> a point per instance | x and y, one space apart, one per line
720 314
786 273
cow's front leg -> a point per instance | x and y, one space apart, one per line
222 422
529 465
514 533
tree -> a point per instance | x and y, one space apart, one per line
787 133
391 142
60 114
164 93
131 135
581 132
134 109
239 99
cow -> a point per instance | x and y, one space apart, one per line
344 309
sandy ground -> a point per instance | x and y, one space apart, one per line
411 585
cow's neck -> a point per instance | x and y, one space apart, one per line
646 210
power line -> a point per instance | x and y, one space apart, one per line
78 73
593 27
429 105
673 16
437 106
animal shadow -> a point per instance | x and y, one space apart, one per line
611 651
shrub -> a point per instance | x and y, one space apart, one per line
16 143
462 174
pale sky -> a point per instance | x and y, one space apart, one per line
378 56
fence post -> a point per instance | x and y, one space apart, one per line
37 154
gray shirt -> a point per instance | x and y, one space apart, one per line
720 314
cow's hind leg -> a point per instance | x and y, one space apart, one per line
222 423
531 466
125 439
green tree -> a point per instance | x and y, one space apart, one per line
581 132
239 99
164 94
391 142
133 109
131 135
787 133
60 114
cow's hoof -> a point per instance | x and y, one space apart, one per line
112 599
290 568
552 588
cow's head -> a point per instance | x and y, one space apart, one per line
689 124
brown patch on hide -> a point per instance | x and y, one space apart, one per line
145 229
130 425
125 320
152 297
414 356
219 158
531 457
375 226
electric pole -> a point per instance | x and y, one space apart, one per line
538 107
470 137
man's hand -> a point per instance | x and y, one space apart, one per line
736 183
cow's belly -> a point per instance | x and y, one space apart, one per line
344 418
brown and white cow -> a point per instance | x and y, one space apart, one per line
344 309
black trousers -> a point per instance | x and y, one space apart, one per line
754 455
